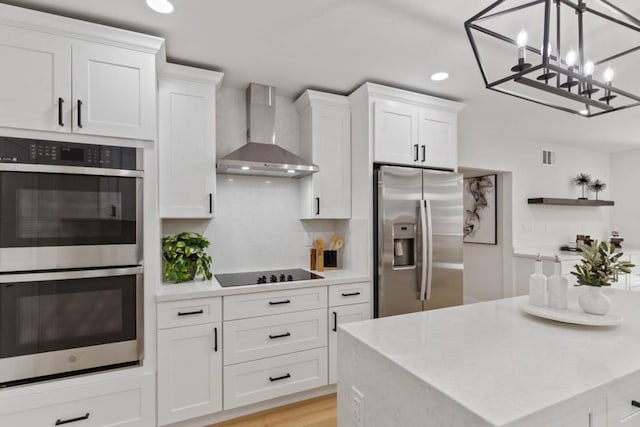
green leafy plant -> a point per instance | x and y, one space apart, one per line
582 180
184 257
600 264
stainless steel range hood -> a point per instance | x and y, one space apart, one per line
261 156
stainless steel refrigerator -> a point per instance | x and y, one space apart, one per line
418 240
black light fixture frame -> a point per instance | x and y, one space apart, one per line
553 63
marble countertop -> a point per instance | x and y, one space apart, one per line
211 288
501 363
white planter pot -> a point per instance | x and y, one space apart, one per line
594 301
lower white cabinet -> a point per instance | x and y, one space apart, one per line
264 379
189 372
594 415
337 316
126 401
261 337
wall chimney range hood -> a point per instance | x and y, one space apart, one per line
261 156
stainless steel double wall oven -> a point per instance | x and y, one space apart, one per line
71 277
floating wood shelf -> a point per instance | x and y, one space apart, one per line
569 202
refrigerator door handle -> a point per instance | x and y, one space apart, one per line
429 248
423 252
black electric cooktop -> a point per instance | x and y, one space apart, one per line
264 277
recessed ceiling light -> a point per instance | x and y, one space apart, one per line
160 6
291 171
438 77
584 112
245 168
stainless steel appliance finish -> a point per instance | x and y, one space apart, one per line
61 322
418 240
261 156
67 205
264 277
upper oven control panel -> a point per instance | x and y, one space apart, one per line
33 151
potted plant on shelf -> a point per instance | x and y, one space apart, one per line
597 186
582 180
599 266
184 257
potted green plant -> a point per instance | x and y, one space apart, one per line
184 257
599 267
582 180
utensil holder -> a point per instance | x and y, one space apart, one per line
330 260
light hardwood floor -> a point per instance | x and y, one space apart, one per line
319 412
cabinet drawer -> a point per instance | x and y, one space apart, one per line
351 293
120 405
620 411
276 302
189 312
265 379
260 337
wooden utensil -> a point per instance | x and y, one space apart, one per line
321 246
332 243
313 259
339 243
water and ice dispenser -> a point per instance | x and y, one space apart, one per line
404 245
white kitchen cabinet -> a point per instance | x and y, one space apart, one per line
35 80
126 401
594 415
396 133
189 372
63 75
338 316
113 91
187 142
325 129
437 138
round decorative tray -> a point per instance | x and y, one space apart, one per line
573 314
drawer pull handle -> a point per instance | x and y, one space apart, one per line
60 422
352 294
635 403
273 337
287 301
190 313
284 377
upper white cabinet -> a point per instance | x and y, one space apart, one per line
35 80
63 75
325 130
413 129
396 133
187 142
113 91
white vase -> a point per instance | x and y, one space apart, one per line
594 301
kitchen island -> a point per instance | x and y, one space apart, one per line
489 364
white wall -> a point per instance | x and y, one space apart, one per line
625 176
256 225
536 226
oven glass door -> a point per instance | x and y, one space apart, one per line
55 315
51 209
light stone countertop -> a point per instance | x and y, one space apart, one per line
211 288
502 364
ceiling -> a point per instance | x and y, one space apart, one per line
335 45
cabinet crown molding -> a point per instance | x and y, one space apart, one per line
196 75
77 29
375 90
311 97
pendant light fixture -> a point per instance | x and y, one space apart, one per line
525 48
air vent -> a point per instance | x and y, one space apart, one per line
548 158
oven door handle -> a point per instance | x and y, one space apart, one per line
72 170
68 275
